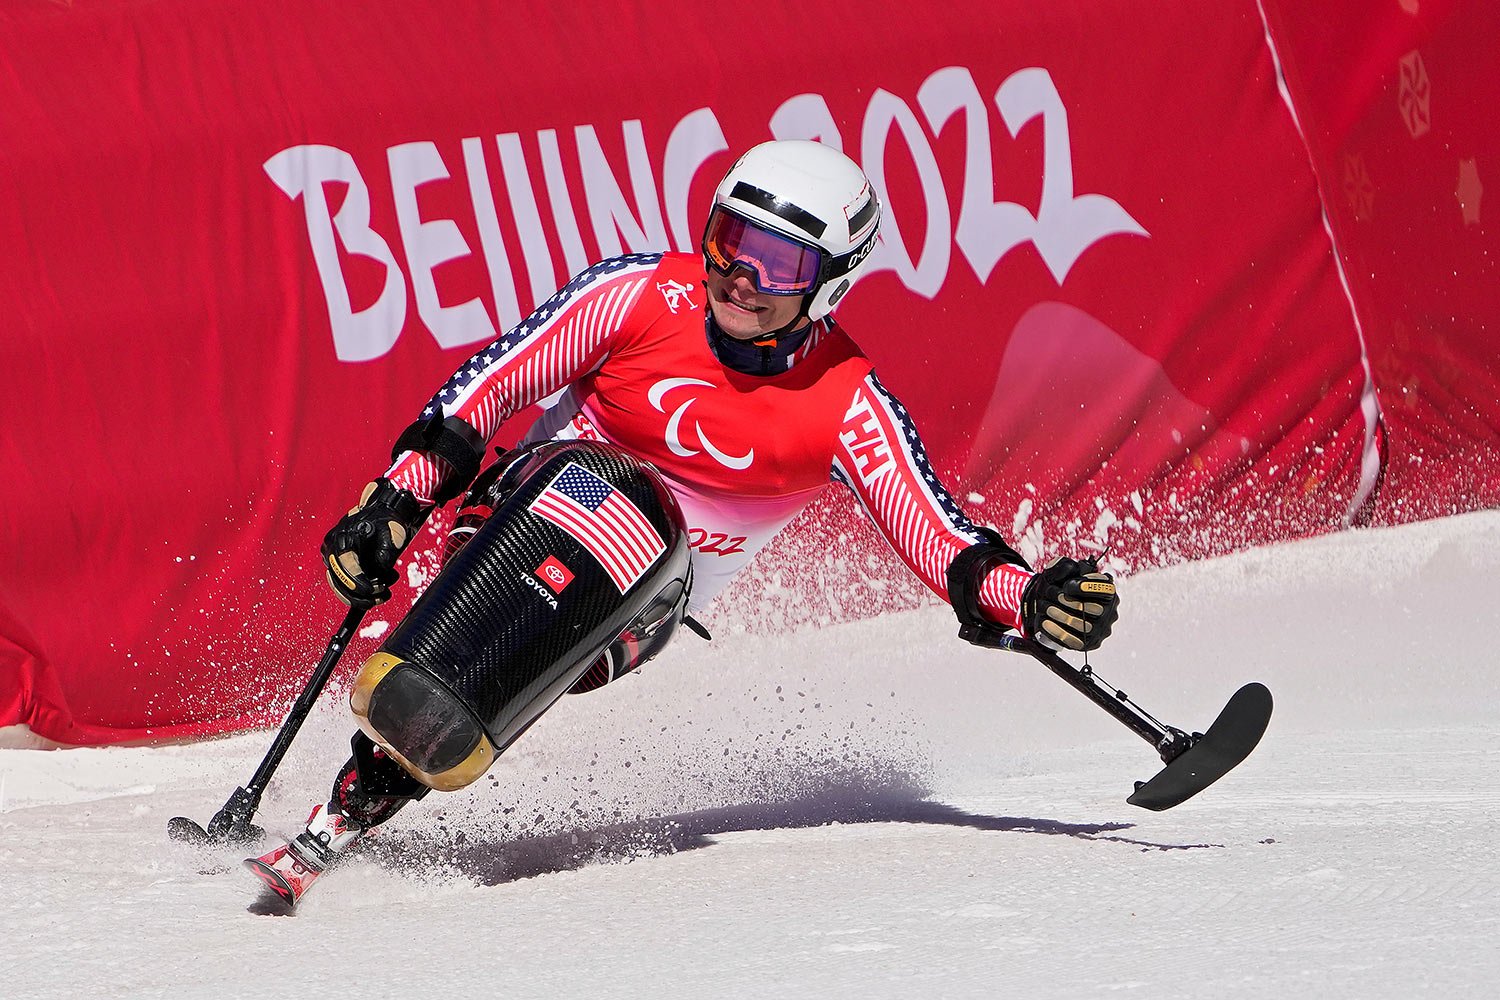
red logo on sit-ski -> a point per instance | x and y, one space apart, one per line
554 574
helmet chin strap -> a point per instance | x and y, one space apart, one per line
791 326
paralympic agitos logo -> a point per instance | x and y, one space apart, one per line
673 432
458 310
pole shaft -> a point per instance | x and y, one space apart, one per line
1137 723
305 701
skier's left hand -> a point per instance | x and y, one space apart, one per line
1070 605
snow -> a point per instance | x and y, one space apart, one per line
870 810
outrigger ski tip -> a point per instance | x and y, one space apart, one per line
230 825
1210 756
1193 761
188 831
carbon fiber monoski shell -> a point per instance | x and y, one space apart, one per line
500 636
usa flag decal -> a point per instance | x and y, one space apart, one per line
604 520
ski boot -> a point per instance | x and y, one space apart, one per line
291 868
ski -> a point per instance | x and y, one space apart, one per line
291 869
282 873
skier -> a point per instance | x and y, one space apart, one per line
696 405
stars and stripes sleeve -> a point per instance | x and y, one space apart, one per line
565 338
881 458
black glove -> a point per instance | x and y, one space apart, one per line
360 552
1070 605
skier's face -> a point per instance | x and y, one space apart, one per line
742 311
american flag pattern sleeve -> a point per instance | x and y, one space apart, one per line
881 458
566 337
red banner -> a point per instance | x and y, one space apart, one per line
244 242
1398 106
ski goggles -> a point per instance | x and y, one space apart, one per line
780 264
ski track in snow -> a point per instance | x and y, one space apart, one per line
870 810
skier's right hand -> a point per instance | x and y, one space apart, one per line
1070 605
360 552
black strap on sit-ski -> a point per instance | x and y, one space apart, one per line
450 439
966 575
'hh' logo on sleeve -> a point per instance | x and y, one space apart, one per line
861 435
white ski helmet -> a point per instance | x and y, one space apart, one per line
801 216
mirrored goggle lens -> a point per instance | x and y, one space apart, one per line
781 266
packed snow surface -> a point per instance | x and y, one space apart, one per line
869 810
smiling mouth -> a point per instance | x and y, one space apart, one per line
744 306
